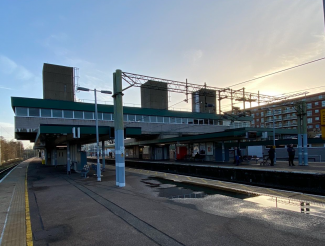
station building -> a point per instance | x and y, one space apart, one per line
60 126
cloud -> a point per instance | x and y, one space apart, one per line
8 66
7 130
54 42
6 88
193 56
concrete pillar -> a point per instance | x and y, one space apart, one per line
45 156
304 128
68 159
103 155
299 138
55 157
119 129
223 151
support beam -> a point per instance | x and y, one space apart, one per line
223 151
119 129
68 159
304 128
103 156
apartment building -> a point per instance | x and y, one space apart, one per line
285 115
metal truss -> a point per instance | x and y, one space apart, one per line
189 88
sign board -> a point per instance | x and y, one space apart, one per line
322 117
209 149
323 132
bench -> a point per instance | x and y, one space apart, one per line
188 158
85 171
199 157
249 158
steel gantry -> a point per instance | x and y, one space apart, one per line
186 88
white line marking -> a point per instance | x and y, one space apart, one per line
4 226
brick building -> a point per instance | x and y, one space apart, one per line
285 115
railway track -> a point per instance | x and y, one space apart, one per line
5 171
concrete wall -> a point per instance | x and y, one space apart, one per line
154 95
24 123
201 99
58 82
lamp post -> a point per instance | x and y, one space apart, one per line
96 117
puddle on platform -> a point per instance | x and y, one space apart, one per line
172 190
289 204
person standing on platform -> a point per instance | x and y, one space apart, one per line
291 153
272 155
238 156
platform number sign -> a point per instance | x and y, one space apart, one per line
322 122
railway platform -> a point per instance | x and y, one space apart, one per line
72 210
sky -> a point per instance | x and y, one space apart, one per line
220 43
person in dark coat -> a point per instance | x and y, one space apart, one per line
272 155
291 153
238 156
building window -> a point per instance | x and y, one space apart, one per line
153 119
262 114
252 115
100 116
178 120
316 118
139 118
309 105
89 115
146 118
309 113
57 113
262 120
131 117
45 112
160 119
309 120
323 103
21 111
34 112
107 116
258 120
310 126
316 103
68 114
316 111
78 114
320 97
166 120
317 126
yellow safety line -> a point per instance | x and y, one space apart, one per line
204 181
188 178
29 234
